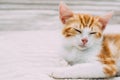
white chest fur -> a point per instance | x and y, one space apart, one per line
73 55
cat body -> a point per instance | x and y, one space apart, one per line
89 52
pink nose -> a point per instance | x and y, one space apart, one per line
84 40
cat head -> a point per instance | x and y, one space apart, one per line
82 30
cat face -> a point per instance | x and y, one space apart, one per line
82 34
82 30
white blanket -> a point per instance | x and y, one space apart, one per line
24 53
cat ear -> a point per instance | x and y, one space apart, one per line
105 19
64 12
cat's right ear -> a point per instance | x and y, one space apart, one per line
64 12
105 19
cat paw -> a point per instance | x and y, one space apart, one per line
63 62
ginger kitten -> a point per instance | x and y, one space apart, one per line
90 53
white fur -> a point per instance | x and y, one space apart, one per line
83 70
74 55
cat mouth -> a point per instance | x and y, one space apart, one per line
82 46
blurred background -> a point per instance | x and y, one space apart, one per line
43 14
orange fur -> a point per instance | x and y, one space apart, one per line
107 60
107 56
80 21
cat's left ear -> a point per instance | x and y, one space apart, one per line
64 12
105 19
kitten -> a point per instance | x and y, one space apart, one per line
90 53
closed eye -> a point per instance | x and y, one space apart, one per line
77 30
92 32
